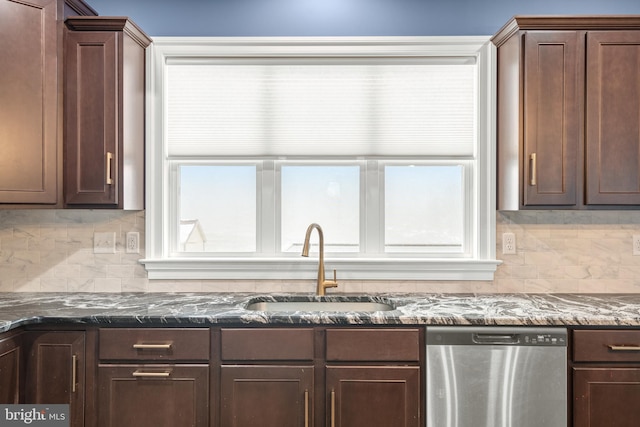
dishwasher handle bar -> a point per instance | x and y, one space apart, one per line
489 339
497 336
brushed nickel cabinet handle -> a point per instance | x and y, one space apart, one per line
533 169
333 408
109 160
164 374
74 372
152 346
306 408
624 347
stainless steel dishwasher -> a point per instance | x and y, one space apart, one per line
496 377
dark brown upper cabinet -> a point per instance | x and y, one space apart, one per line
31 84
568 112
104 113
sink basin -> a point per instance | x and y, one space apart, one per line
311 306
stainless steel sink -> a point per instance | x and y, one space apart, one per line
312 306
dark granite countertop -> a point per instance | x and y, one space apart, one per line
203 309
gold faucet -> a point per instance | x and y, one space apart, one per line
322 284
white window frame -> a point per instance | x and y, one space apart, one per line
162 264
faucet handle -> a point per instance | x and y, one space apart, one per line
331 283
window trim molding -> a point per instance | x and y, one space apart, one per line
159 265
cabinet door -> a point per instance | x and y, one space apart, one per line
551 118
373 396
55 371
91 99
606 397
153 395
266 396
10 367
29 101
613 118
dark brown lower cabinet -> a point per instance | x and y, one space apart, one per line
266 396
56 370
373 396
10 368
153 395
606 397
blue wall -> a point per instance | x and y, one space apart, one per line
342 17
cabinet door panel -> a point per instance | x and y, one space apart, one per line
606 397
55 360
373 396
91 75
613 118
266 396
10 366
29 101
153 395
551 119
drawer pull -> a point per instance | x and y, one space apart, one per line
333 408
306 408
152 346
144 374
74 372
624 347
533 171
109 161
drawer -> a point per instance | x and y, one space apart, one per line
399 345
267 344
606 346
154 344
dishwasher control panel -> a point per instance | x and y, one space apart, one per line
544 339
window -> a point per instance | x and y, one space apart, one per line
387 143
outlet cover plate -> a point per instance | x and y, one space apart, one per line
636 244
132 245
508 244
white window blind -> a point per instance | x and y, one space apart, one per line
335 107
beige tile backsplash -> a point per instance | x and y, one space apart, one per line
557 251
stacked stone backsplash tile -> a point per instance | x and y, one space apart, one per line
557 251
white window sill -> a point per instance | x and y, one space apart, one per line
347 269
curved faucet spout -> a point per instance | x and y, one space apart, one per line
322 284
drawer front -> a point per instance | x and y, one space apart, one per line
606 346
267 344
154 344
391 345
153 395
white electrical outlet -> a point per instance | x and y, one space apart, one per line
636 244
508 244
132 245
104 242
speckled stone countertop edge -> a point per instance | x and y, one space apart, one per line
205 309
